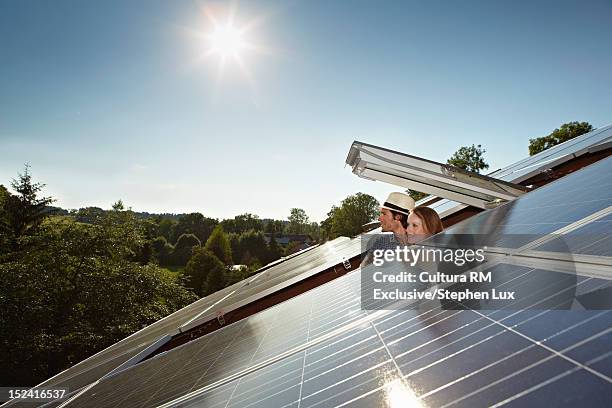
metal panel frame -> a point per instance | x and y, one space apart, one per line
376 163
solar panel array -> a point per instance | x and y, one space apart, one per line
304 264
321 349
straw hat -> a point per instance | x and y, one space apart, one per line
399 202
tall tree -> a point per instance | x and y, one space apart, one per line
298 221
566 132
276 227
5 229
470 158
26 210
353 212
215 280
166 229
274 250
253 248
218 243
162 251
184 249
202 264
197 224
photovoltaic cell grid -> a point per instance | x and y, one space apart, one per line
97 366
547 209
439 358
231 349
592 239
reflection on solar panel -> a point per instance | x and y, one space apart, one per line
320 348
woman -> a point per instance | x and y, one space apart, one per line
423 222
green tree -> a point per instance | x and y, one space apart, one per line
200 267
197 224
292 247
5 229
566 132
236 275
89 215
242 223
215 281
276 227
25 210
218 243
315 231
253 247
327 224
162 251
353 212
274 250
74 291
470 158
298 221
184 249
166 229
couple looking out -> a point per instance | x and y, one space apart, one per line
408 223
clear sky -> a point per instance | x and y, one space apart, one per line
112 100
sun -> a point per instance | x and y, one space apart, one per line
229 44
226 41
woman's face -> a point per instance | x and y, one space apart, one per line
415 226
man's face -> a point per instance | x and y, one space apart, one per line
387 222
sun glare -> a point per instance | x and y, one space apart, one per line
399 395
228 44
226 41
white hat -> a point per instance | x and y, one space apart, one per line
400 202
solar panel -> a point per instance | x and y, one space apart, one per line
202 310
591 239
436 358
230 350
442 356
547 209
284 275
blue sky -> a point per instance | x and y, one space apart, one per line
113 100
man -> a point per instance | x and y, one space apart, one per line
394 219
394 214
